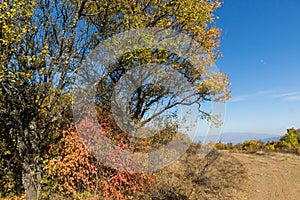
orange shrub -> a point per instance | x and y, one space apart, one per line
72 169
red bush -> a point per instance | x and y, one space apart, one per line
73 169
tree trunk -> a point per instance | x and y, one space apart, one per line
31 177
29 152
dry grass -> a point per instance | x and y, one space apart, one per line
217 176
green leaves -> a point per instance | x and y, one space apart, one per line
291 139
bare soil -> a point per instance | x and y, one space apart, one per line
272 175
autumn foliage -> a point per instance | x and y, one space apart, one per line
42 45
72 169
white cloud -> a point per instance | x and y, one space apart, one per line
286 96
237 99
292 98
249 96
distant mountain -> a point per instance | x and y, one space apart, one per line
236 138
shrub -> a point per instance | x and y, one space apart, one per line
291 139
237 147
270 146
253 145
229 146
298 151
220 146
72 170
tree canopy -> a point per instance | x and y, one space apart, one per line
43 44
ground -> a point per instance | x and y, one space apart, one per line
272 175
230 175
218 176
226 175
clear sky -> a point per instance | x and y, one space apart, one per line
261 54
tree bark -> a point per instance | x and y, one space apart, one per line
31 178
30 155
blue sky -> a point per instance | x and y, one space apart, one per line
261 54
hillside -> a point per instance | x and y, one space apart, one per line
235 138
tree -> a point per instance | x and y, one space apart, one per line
41 47
43 43
194 18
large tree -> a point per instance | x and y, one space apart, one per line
192 18
41 46
43 42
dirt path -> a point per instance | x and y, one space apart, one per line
272 176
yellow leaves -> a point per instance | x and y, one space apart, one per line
64 101
215 84
91 7
14 19
7 152
45 50
22 197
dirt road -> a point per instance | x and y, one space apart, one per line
272 176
